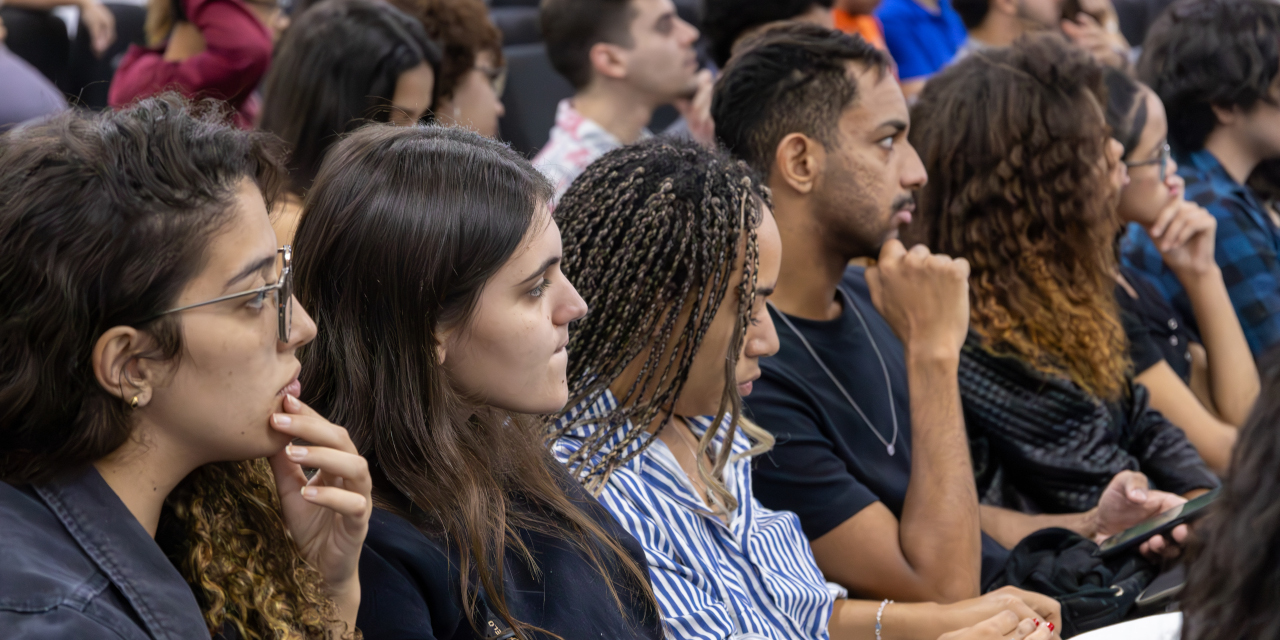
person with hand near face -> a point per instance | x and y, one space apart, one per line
680 253
343 63
1063 435
217 49
149 345
1205 385
435 266
1215 66
468 91
624 58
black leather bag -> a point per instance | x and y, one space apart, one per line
1094 592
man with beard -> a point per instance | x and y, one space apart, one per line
863 396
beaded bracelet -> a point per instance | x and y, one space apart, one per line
879 614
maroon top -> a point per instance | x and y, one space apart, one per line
236 56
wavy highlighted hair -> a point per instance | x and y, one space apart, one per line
1014 142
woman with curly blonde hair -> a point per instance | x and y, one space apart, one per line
1023 182
147 367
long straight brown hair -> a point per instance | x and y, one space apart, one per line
400 233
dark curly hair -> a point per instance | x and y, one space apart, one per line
1205 53
651 236
106 218
1233 579
1014 142
463 30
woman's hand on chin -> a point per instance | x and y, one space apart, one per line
327 515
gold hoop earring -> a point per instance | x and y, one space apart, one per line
133 404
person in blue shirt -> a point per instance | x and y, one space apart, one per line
922 36
1214 63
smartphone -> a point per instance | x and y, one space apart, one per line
1161 524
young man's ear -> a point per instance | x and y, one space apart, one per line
120 368
1226 116
798 162
608 60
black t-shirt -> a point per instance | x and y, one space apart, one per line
827 465
1155 330
409 585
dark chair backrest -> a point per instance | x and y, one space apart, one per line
533 91
88 77
39 37
519 25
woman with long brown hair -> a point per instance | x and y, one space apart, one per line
1023 182
434 268
147 341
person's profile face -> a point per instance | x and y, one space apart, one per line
661 60
1145 195
1262 123
475 103
412 97
866 195
511 354
215 402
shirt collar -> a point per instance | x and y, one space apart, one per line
1211 170
116 542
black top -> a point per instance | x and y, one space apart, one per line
409 585
1155 330
1042 444
75 563
827 465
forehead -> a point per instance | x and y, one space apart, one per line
879 100
645 12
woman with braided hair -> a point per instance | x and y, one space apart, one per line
675 249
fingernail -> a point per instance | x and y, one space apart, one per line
1036 620
1051 626
295 453
310 492
292 402
281 420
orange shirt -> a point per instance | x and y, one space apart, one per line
864 25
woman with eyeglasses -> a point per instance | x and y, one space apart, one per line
472 72
1204 381
343 63
431 259
205 49
149 393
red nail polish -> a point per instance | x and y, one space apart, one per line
1036 620
1051 626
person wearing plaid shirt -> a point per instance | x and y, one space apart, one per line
1248 242
1214 65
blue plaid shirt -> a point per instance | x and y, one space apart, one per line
1246 248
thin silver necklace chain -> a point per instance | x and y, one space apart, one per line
893 411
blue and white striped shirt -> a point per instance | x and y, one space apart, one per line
754 577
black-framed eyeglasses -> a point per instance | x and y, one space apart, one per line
282 290
1162 160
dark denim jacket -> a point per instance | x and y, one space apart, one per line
74 563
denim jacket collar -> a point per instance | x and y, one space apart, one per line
109 534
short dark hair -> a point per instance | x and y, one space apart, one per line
724 21
1205 53
788 79
972 12
335 69
571 27
1126 109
